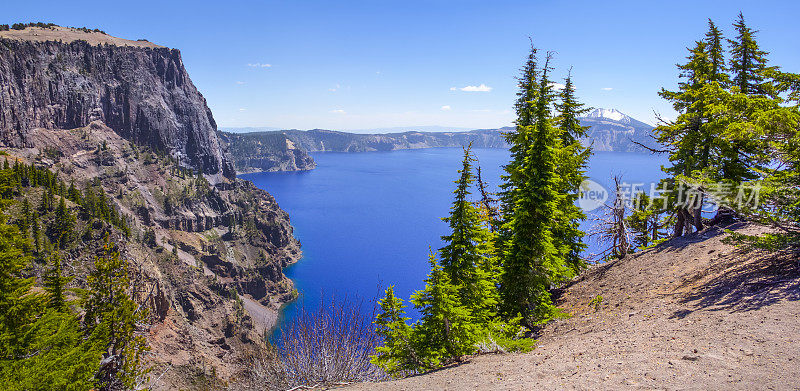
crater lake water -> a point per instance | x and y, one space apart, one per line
367 220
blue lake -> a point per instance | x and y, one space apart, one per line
366 220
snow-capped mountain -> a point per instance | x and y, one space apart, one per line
611 130
612 114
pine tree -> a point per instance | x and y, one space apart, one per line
18 305
445 330
111 313
518 141
468 254
531 261
55 283
715 54
63 225
40 348
572 161
397 356
748 62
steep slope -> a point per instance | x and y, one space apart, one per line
266 151
205 252
61 78
692 313
611 130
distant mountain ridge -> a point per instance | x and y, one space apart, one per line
287 150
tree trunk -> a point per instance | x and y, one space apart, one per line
679 224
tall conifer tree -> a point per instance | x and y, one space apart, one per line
572 161
397 356
468 254
531 260
446 329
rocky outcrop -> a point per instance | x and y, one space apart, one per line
142 92
207 259
319 140
266 151
206 252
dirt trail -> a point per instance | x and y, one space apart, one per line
690 314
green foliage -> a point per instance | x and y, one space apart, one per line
534 234
41 348
596 302
55 283
446 328
535 248
468 256
62 229
112 313
572 159
397 356
509 335
738 128
646 221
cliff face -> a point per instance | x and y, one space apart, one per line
319 140
266 151
141 92
206 252
615 135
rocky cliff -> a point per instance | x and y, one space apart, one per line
205 252
61 78
266 151
319 140
609 130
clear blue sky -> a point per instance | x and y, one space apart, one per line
377 64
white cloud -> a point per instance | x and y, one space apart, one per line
557 86
337 111
241 83
480 88
607 88
242 109
334 89
259 65
446 108
453 88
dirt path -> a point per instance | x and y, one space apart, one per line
692 314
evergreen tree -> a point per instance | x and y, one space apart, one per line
18 305
531 260
40 348
397 355
113 314
468 254
519 144
715 54
748 62
446 330
63 225
572 161
55 283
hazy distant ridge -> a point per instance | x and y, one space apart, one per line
610 130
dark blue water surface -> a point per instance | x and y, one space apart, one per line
367 219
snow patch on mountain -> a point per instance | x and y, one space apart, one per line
612 114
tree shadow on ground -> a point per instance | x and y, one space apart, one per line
679 243
748 286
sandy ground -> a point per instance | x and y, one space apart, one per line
691 314
68 34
